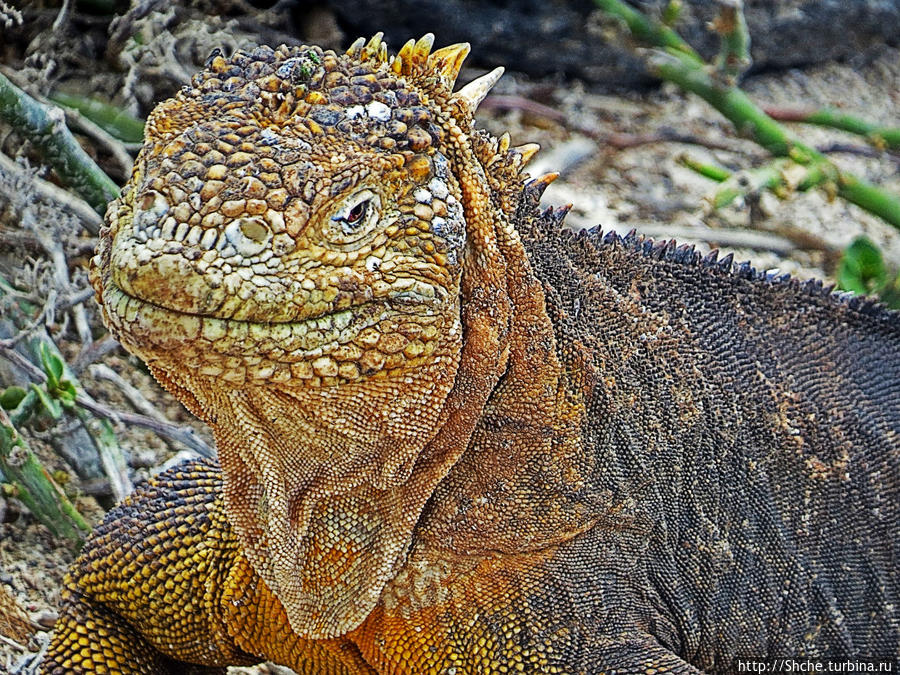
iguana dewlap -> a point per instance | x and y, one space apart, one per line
454 436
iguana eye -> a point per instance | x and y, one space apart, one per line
356 213
354 217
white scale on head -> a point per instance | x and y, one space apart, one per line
376 110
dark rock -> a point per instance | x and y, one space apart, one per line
542 37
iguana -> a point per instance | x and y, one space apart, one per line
455 436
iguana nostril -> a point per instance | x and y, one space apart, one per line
249 236
254 229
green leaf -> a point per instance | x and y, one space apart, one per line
66 393
52 364
862 269
50 404
11 397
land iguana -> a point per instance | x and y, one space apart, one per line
454 435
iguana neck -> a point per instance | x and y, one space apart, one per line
518 486
332 480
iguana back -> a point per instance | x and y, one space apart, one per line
754 422
740 452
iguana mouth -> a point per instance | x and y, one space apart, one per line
384 333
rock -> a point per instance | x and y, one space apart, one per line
543 37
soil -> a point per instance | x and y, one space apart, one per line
589 136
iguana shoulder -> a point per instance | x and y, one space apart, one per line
455 435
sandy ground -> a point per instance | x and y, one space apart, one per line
642 187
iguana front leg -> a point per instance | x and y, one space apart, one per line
91 639
162 587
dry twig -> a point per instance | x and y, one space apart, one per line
182 434
95 132
94 352
13 173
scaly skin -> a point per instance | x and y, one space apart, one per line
454 437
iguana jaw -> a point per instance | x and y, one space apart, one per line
378 337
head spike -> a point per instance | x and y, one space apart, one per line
383 53
407 49
503 143
473 93
447 61
535 188
423 48
403 59
527 151
354 49
372 47
413 56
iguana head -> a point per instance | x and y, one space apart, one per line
293 218
304 241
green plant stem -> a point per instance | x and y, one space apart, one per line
711 171
113 120
44 127
751 121
652 32
770 177
869 197
734 185
879 136
734 55
684 69
35 488
747 117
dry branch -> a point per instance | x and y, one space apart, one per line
47 191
